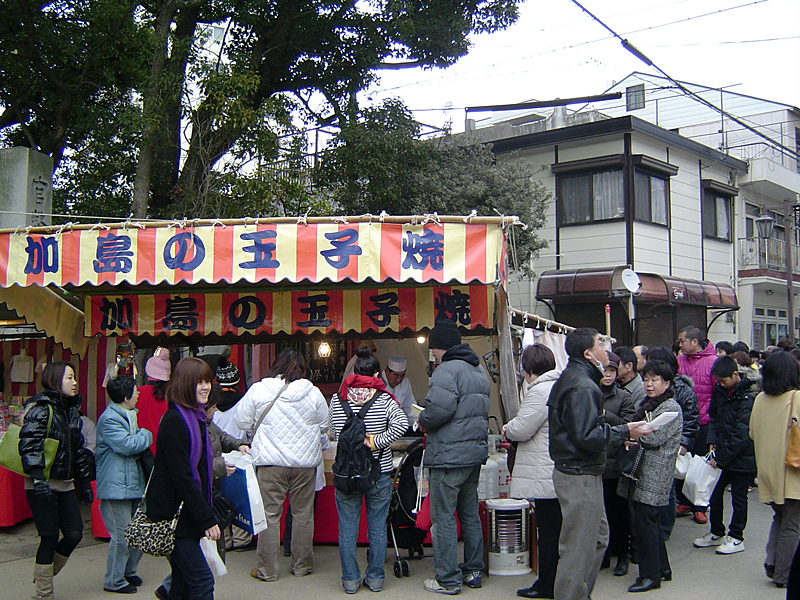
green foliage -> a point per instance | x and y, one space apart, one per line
379 163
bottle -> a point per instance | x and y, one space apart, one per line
488 483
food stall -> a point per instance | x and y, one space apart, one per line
319 283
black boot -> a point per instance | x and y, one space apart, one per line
622 565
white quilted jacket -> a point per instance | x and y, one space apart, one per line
533 469
289 436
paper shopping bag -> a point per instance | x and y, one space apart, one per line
701 478
242 489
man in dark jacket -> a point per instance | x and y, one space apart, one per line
579 439
456 420
734 453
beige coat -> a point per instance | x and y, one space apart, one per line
769 428
533 468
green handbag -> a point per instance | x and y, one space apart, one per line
9 449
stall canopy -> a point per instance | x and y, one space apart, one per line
268 276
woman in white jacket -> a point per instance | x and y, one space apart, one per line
286 448
532 477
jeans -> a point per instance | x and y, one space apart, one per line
191 576
451 490
739 484
584 534
349 508
122 560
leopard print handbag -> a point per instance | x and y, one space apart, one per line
156 538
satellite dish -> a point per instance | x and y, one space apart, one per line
631 280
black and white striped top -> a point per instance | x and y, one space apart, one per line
385 420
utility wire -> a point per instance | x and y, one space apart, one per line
641 56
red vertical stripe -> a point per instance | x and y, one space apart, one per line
366 304
200 299
227 302
298 316
146 255
407 301
475 253
5 245
306 253
269 321
223 254
335 310
391 254
71 257
479 307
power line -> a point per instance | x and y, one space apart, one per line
641 56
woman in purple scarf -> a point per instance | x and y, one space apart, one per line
182 473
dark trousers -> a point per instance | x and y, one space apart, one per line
548 529
191 577
653 559
739 484
666 514
619 524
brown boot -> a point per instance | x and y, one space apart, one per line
58 563
43 578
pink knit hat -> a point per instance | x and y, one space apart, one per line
158 367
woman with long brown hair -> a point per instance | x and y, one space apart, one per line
182 473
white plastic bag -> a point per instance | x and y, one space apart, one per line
209 548
242 489
701 478
682 465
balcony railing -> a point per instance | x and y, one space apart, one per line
757 253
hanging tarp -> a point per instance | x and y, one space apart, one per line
376 309
155 253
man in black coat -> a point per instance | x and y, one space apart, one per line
579 438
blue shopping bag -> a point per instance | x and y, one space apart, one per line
242 489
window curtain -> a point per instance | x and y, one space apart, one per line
576 198
608 195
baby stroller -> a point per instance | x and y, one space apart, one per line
402 509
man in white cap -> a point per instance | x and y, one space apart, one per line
394 375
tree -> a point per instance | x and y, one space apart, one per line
379 163
195 105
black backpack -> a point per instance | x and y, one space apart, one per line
355 469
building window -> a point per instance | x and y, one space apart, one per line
751 213
717 211
589 197
769 327
651 198
634 97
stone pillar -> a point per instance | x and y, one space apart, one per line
26 188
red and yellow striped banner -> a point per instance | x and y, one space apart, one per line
374 309
273 252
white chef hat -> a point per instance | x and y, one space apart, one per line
397 364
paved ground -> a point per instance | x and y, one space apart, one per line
698 573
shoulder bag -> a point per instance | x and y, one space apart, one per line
156 538
271 404
9 448
630 461
793 441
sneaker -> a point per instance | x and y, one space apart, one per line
708 540
731 546
256 574
473 579
682 510
431 585
700 517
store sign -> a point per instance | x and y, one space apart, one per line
362 310
257 253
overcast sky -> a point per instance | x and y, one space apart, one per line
557 50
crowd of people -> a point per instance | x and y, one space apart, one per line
600 476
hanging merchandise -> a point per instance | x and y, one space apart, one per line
21 367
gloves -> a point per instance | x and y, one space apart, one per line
87 495
41 489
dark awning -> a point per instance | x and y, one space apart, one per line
600 285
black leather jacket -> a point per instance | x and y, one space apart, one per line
687 400
579 434
71 461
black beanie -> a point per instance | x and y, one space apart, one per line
444 335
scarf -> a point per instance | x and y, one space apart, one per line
195 423
649 404
362 381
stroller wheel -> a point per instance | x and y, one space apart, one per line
404 567
397 569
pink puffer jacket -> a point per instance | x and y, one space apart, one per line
698 367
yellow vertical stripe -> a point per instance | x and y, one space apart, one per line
286 252
282 311
146 314
213 316
455 240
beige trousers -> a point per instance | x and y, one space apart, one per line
275 483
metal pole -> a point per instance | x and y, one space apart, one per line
788 212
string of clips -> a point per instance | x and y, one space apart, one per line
534 321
